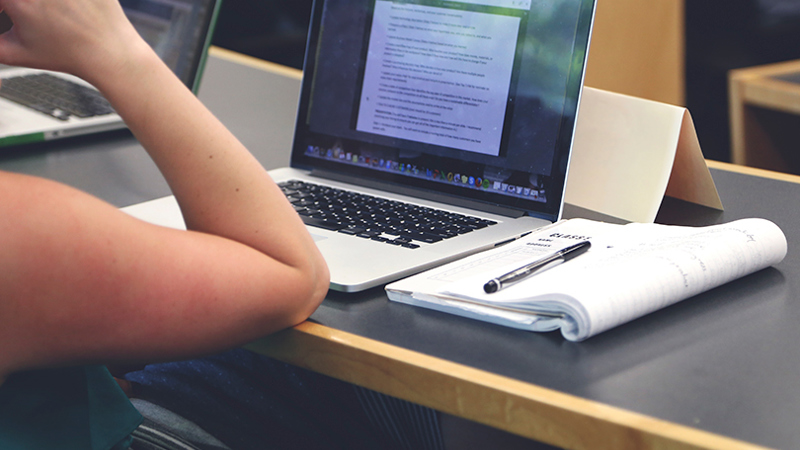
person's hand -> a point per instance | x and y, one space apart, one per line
82 37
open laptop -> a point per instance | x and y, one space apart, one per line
466 106
460 113
38 105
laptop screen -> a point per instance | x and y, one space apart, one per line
473 98
178 30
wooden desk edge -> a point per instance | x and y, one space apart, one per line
255 62
521 408
767 70
517 407
763 173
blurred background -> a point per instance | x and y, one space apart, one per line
674 51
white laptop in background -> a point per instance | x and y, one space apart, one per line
466 107
38 105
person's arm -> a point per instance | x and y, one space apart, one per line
83 282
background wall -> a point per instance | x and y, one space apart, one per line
274 30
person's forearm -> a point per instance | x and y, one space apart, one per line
124 290
221 187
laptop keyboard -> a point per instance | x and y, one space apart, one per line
55 96
379 219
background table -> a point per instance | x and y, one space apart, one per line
717 371
765 116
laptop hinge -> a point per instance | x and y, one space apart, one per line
421 193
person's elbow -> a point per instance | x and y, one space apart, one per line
310 290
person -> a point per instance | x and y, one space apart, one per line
84 284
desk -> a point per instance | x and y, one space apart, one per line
765 116
717 371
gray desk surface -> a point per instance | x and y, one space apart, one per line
726 362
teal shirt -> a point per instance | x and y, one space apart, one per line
79 408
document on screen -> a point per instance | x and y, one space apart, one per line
438 76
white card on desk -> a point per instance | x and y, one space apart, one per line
630 152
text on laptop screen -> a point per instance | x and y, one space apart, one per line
473 95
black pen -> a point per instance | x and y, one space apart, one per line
563 255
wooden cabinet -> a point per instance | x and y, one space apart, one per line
638 49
